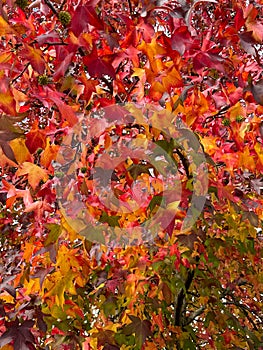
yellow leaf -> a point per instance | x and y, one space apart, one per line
173 205
259 151
209 144
57 284
138 72
152 50
237 110
20 150
34 172
66 260
246 161
32 286
6 297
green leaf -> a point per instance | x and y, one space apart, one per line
156 201
93 233
137 169
54 232
112 220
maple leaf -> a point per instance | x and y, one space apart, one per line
141 328
83 16
35 58
21 335
65 110
256 28
49 153
181 39
7 100
5 28
97 66
35 138
34 173
20 150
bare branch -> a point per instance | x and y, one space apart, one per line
194 315
52 8
20 74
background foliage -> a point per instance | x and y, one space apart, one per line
200 60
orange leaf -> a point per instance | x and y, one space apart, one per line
7 102
35 57
34 172
5 27
65 110
246 161
49 154
4 160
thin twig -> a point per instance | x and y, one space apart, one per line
131 88
62 5
53 44
219 114
52 8
130 7
20 74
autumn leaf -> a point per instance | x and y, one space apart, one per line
20 150
35 58
35 138
109 262
49 153
83 16
141 328
34 173
66 111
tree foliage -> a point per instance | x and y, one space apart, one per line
201 62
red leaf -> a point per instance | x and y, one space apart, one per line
83 16
65 110
61 70
35 139
98 67
35 57
180 39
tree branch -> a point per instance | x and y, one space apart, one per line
20 74
195 314
180 303
130 7
52 8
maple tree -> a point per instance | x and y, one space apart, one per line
70 74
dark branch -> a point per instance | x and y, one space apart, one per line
20 74
194 315
179 310
52 8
